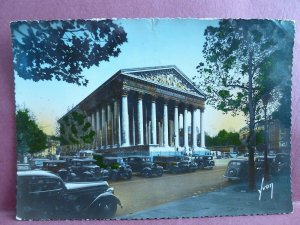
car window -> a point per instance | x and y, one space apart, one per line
38 184
235 163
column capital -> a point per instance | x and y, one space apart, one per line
201 110
153 98
124 92
140 95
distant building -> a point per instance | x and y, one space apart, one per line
278 135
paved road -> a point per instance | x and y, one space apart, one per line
142 193
232 200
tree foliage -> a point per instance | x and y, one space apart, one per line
47 50
232 75
30 138
223 138
76 129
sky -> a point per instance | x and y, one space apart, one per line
151 42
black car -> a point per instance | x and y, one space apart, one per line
259 165
204 161
282 163
118 169
237 169
183 166
37 163
137 163
23 167
152 169
86 170
44 195
165 160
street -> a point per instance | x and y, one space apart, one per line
143 193
233 200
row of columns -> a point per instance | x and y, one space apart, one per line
121 136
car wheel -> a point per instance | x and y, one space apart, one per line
106 209
114 176
160 173
201 166
129 176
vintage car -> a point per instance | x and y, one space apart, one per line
44 195
37 163
237 169
259 165
54 165
86 170
137 163
118 169
165 160
152 169
204 161
282 163
183 166
23 167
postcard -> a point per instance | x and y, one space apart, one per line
152 118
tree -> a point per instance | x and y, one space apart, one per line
30 138
76 129
234 53
47 50
224 138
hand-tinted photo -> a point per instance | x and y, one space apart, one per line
152 118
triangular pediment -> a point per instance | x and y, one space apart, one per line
169 76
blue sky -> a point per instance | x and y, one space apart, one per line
151 42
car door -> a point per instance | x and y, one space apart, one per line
46 194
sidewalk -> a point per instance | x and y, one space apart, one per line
229 201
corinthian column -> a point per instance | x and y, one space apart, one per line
176 133
185 129
153 121
125 120
166 128
140 120
194 133
202 128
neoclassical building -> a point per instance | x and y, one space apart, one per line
138 110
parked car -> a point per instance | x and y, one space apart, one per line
152 169
165 160
23 167
182 167
86 170
282 163
54 165
137 163
237 169
118 169
37 163
259 165
44 195
204 161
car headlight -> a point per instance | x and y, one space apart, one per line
111 190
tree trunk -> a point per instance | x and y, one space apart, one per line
266 164
251 166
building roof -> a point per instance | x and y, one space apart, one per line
168 76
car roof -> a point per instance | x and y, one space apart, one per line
139 156
84 159
36 173
239 160
112 157
56 161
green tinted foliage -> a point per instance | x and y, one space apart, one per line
30 138
77 129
